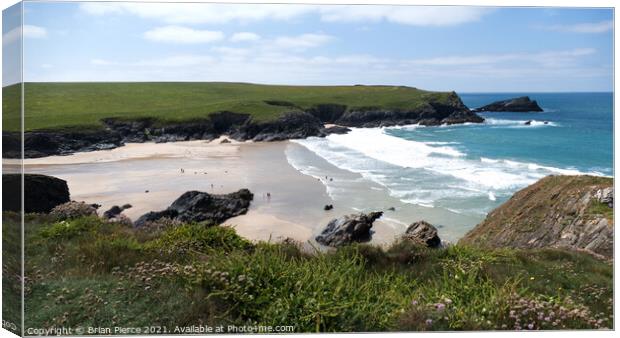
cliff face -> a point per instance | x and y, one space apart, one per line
574 212
294 124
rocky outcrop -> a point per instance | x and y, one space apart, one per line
519 104
297 123
424 233
558 211
196 206
348 229
41 193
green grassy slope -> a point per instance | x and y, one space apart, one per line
86 272
59 105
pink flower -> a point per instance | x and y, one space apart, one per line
429 322
440 306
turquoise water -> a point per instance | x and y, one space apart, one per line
579 136
472 168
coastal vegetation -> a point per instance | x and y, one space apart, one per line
54 106
87 271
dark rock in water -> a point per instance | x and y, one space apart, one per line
519 104
336 130
348 229
126 206
528 122
462 117
225 141
546 122
41 193
95 205
392 209
423 232
196 206
328 207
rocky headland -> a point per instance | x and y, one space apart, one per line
519 104
295 124
573 212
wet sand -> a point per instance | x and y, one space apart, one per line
124 175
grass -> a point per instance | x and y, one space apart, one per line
104 274
70 105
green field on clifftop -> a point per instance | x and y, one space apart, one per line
62 105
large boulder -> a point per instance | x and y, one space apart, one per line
196 206
570 212
424 233
348 229
41 193
519 104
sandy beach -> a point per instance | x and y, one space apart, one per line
149 177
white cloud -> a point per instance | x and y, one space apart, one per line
545 57
588 27
195 13
30 31
101 62
183 35
34 32
177 13
408 15
244 36
300 42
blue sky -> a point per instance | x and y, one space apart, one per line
467 49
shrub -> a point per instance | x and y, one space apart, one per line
73 209
199 238
68 229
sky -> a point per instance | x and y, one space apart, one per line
466 49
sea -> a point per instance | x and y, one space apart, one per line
454 175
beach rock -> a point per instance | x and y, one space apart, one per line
72 210
115 211
225 141
423 232
328 207
556 211
196 206
41 193
528 122
348 229
519 104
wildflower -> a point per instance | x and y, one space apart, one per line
448 301
414 302
530 326
440 306
429 322
532 278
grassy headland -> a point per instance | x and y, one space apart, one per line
87 272
64 105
